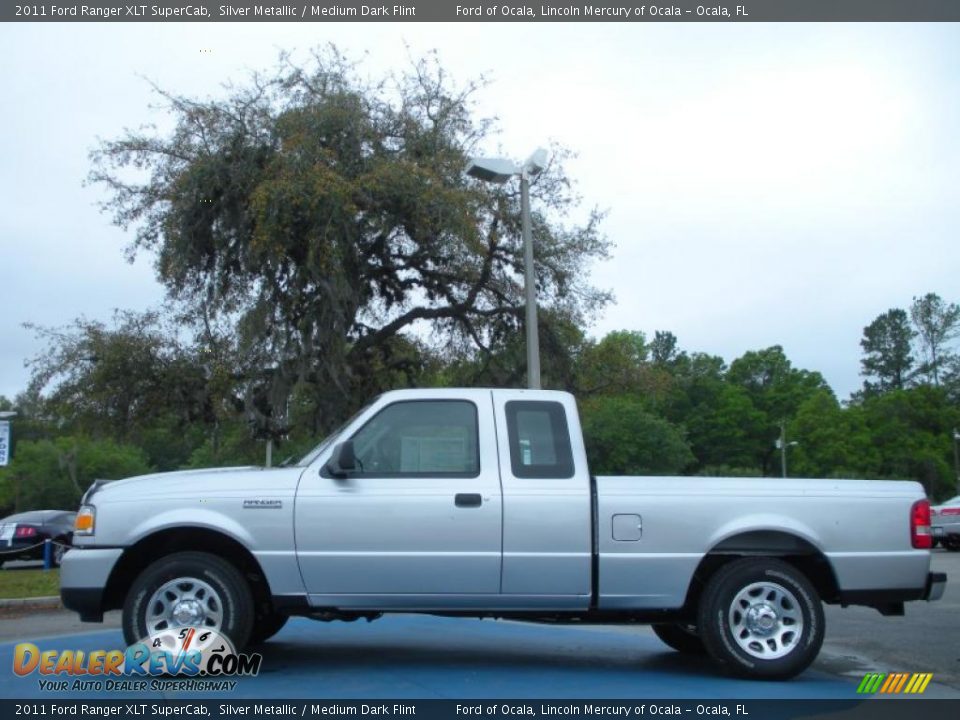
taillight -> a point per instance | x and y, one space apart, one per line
920 535
24 531
950 511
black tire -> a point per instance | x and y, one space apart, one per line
682 638
266 626
761 618
234 600
58 550
951 543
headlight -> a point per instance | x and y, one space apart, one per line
85 520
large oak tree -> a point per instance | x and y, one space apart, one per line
328 219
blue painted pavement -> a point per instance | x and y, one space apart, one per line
422 657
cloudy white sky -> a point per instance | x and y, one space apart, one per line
766 184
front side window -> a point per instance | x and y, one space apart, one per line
539 439
422 437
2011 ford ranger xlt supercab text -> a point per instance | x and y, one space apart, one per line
479 503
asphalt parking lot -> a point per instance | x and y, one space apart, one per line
926 639
426 657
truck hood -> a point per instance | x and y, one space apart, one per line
214 482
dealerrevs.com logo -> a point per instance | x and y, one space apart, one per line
182 658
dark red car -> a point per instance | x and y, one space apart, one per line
22 535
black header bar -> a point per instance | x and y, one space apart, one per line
486 11
140 708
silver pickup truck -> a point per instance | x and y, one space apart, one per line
480 503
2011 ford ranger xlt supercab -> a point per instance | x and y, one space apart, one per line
479 503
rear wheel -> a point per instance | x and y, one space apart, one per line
951 543
189 589
681 637
761 617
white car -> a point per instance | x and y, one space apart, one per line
945 523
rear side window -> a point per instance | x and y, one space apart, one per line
539 439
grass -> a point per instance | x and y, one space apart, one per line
16 583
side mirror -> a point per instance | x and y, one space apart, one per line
343 461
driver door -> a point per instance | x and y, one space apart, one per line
418 524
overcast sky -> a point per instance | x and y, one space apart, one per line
766 184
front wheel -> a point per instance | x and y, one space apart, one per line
761 617
189 589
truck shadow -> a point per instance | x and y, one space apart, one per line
280 655
421 656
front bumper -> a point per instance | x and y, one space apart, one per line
84 574
936 584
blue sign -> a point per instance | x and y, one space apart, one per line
4 442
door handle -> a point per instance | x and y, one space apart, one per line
467 500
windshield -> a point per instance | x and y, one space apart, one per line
318 450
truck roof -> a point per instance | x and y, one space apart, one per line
466 392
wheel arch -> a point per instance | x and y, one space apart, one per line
167 541
783 545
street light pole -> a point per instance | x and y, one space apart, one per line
529 275
781 442
499 170
783 448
